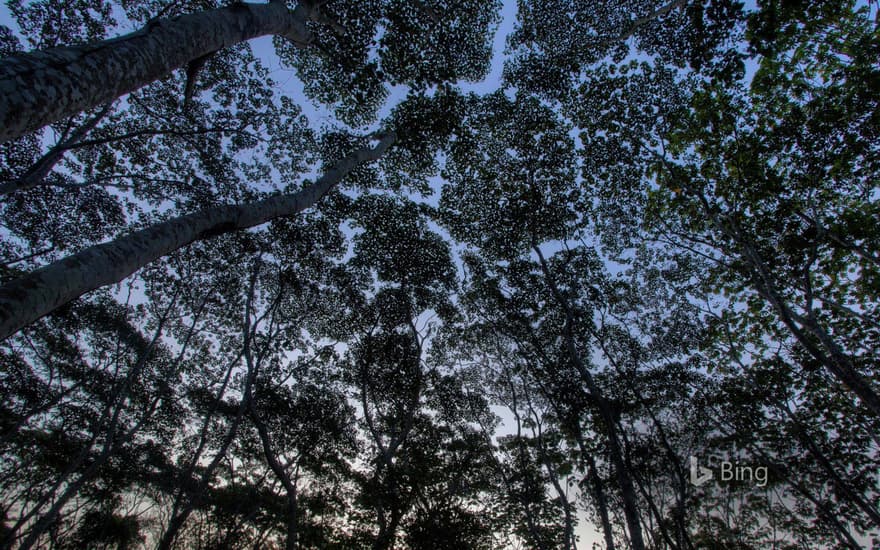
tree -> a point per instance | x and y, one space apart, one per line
67 80
30 297
538 171
116 401
200 26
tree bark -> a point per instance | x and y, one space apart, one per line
28 298
45 86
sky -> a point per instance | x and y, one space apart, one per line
289 84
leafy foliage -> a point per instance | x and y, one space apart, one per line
656 239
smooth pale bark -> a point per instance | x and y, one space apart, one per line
38 293
651 17
801 431
45 86
683 539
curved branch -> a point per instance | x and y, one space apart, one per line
44 86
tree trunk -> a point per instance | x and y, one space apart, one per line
570 423
824 508
280 472
45 86
179 514
562 496
624 479
833 358
112 441
36 294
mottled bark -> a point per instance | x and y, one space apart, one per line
45 86
28 298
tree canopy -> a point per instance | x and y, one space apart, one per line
422 274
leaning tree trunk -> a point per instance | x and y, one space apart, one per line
45 86
30 297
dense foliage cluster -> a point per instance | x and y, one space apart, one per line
520 318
